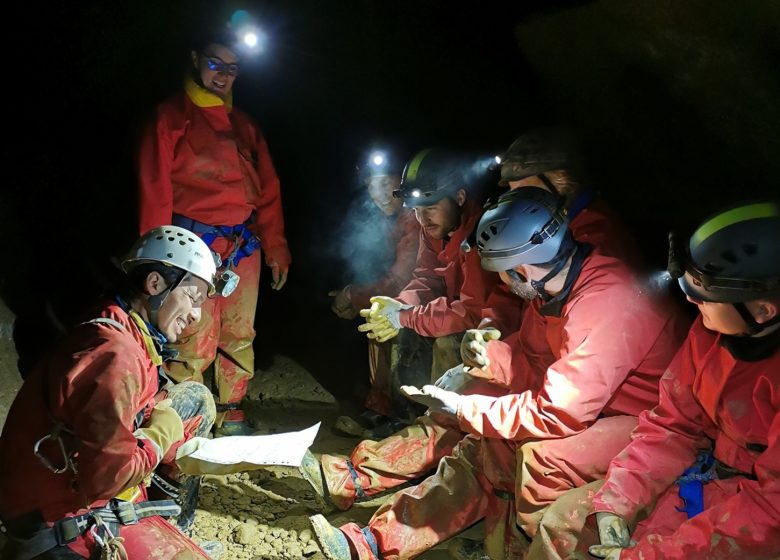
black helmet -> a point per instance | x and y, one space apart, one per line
734 256
432 175
534 153
526 226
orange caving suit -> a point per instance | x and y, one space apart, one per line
709 400
592 361
417 449
209 162
97 381
449 288
405 236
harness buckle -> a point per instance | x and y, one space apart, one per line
67 530
125 512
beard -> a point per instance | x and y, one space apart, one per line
523 289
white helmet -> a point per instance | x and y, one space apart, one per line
174 246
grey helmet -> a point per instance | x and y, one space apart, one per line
734 256
525 226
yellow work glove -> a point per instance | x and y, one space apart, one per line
473 347
383 318
164 428
613 534
342 303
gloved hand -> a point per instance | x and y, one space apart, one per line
278 275
342 303
454 379
379 329
613 534
473 347
436 399
163 429
382 318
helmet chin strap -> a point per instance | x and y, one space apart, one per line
538 285
754 327
156 301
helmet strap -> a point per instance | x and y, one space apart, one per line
156 301
559 262
754 327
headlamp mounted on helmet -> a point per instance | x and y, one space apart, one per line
701 285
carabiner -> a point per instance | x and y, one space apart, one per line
48 464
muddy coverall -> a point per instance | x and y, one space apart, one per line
593 360
405 237
411 453
709 400
205 164
101 384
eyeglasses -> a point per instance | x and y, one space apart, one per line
218 65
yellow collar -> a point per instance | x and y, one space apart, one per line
148 341
202 97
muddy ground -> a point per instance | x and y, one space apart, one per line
262 514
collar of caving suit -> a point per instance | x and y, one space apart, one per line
154 340
203 98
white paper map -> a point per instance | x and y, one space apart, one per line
275 449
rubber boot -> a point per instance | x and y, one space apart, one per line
333 543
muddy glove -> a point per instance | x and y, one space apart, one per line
613 534
454 379
163 429
383 320
436 399
473 347
342 303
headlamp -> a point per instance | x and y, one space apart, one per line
249 38
225 282
377 159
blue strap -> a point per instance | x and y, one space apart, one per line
369 536
355 481
692 483
245 242
584 198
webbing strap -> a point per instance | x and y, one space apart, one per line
692 483
369 536
355 481
67 530
245 241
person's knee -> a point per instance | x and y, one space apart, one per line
191 399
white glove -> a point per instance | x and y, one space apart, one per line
383 306
473 347
613 534
438 400
454 379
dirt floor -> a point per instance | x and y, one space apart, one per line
262 514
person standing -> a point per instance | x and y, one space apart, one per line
204 165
